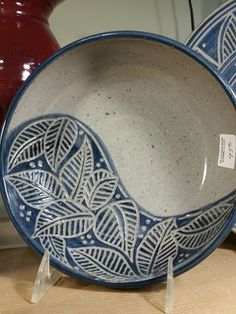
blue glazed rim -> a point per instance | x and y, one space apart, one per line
106 36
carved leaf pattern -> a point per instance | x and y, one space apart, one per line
227 39
36 187
28 144
59 140
156 247
102 263
56 247
77 169
204 227
117 225
68 203
64 218
99 188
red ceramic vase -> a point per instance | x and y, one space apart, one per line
26 41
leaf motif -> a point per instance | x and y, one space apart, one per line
156 247
64 218
29 143
99 188
226 40
56 247
205 227
117 225
77 169
59 140
36 187
103 263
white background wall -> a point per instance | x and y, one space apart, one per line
73 19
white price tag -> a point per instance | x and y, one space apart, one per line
227 154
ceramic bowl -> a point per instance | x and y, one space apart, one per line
115 159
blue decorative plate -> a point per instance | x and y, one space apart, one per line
106 164
215 40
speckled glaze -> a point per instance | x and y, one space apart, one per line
144 114
215 40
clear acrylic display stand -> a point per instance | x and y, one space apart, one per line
47 276
169 287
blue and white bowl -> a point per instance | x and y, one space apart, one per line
114 158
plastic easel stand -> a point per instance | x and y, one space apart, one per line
48 276
169 288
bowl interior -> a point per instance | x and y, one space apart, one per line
158 112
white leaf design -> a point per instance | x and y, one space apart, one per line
36 187
64 218
205 227
102 263
156 247
99 188
118 225
29 143
77 169
56 247
227 39
59 140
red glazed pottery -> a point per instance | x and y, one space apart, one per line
26 41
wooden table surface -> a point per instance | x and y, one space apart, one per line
208 288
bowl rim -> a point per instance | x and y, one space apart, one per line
76 44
